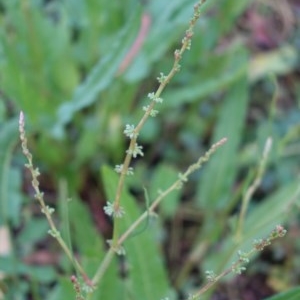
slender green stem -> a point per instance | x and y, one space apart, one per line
103 267
244 258
182 178
45 209
186 43
252 188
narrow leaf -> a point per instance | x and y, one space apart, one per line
146 275
292 294
216 183
101 75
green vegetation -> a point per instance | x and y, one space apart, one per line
80 71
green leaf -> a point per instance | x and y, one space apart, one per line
292 294
91 249
9 187
218 177
227 12
215 74
164 176
101 75
42 274
63 290
85 235
34 230
146 275
33 85
272 211
262 219
280 61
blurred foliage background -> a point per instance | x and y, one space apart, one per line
80 70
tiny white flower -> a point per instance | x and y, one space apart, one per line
112 211
158 100
48 209
243 256
151 96
161 78
130 171
109 209
136 151
153 112
119 168
130 131
210 276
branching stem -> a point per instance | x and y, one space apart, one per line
186 43
182 178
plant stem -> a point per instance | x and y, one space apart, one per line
177 184
252 188
186 43
243 259
45 209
